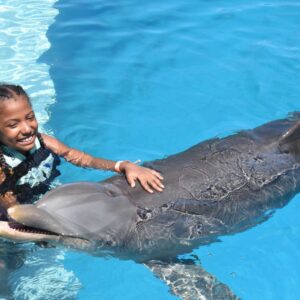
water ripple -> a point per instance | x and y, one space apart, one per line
23 27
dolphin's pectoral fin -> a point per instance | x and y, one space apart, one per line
189 281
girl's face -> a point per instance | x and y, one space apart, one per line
18 126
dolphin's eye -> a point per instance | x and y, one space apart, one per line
111 193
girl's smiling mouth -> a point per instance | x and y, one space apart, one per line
27 140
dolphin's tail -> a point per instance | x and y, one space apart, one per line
190 281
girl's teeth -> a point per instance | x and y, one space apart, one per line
26 140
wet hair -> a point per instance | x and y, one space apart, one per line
10 91
7 92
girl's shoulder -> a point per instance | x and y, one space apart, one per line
54 144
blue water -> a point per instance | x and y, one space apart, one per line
145 79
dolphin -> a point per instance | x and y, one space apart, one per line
221 186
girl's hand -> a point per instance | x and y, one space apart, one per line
148 178
2 176
7 200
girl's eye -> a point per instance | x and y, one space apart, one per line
14 125
31 117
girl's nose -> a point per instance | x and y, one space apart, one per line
26 128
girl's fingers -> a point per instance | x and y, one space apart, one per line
157 174
159 183
131 181
146 186
156 186
149 179
154 182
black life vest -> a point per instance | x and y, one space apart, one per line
33 176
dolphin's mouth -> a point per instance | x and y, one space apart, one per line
27 223
27 229
15 231
18 232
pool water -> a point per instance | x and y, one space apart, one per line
145 79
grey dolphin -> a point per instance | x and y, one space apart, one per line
218 187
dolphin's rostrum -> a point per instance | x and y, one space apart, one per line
218 187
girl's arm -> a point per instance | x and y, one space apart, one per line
148 178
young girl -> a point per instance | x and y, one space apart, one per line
28 159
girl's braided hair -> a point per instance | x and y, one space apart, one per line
9 91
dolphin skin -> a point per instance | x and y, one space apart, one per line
218 187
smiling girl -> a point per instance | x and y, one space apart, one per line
29 159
